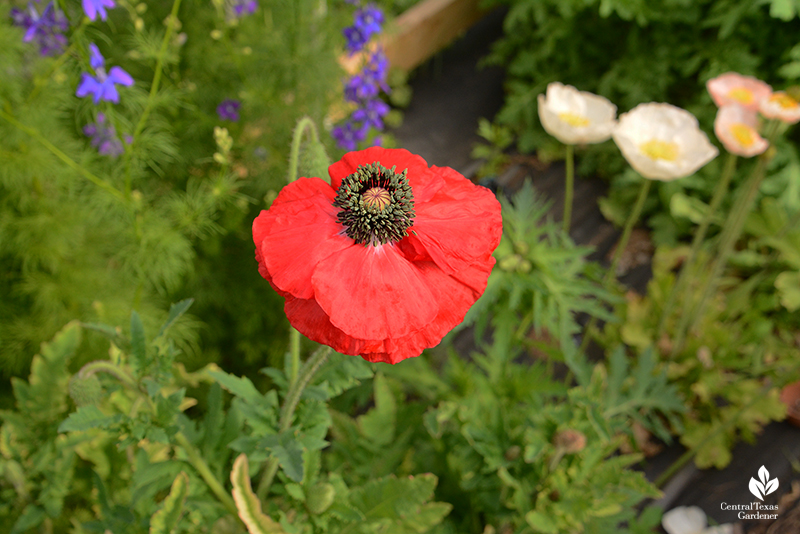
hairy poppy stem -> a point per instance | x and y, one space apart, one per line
683 277
623 242
569 188
287 412
303 124
730 234
202 468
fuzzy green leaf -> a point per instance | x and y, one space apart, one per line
166 518
247 503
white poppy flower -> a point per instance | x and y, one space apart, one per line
662 142
691 520
576 117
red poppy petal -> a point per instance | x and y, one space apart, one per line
459 225
455 294
424 183
373 292
312 321
298 231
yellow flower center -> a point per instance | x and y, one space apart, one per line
573 119
377 198
741 95
783 100
743 134
656 149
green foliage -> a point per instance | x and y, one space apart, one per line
541 280
85 235
738 357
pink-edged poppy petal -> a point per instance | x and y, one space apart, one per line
294 235
424 183
460 224
373 292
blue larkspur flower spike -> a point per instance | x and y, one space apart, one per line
102 86
45 28
372 113
104 137
369 20
228 110
349 135
92 8
243 7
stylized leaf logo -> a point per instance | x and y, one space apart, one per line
765 486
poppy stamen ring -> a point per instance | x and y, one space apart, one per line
376 203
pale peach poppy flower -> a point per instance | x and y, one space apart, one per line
781 106
576 117
737 128
662 142
733 88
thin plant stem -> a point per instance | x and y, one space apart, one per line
569 189
162 52
730 235
623 242
200 465
303 125
102 184
105 366
287 413
719 193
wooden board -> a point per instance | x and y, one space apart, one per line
420 32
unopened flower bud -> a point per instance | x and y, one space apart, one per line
512 453
511 263
85 391
570 441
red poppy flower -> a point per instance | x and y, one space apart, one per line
383 261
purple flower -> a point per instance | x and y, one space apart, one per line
93 7
104 137
102 87
45 28
355 39
372 113
369 81
347 136
243 7
368 20
228 110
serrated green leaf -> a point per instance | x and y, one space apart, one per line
166 518
378 425
31 517
87 417
287 451
242 387
788 285
539 522
175 312
247 503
